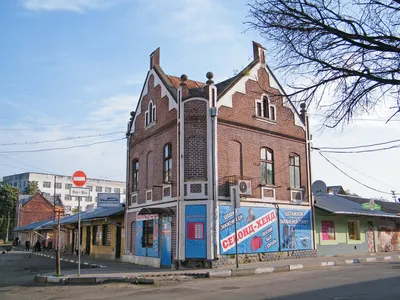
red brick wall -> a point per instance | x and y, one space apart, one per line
37 209
153 139
238 124
195 139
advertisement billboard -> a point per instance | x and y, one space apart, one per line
257 230
108 199
295 229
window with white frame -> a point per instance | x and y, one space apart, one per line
150 115
107 190
46 184
266 110
294 165
267 166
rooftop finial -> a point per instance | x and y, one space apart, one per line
184 78
210 76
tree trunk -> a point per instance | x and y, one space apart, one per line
8 225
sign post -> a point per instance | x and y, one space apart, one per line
79 179
236 203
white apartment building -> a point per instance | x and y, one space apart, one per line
59 185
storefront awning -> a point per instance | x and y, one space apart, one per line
165 211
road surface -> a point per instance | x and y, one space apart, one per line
353 282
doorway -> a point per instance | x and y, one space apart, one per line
118 242
166 250
88 238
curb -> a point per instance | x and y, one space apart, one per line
216 273
69 260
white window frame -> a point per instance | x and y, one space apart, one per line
270 189
147 120
262 118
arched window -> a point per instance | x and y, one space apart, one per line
294 165
135 175
267 166
167 158
265 110
150 115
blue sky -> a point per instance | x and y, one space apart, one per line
76 67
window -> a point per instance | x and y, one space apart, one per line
46 195
46 184
294 165
15 184
147 237
264 109
99 189
24 183
96 235
67 208
88 199
353 228
117 190
150 115
58 185
107 190
267 166
68 186
90 188
168 163
106 234
135 174
68 197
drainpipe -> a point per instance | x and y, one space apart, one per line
279 232
127 194
304 116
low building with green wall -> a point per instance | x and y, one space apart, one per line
343 226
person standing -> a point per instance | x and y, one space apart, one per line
27 245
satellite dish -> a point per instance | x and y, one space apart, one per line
398 200
318 188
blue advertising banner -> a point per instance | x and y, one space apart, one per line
256 230
196 231
295 229
147 235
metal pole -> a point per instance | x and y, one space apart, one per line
59 243
236 239
79 236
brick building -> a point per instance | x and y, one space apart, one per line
195 149
33 208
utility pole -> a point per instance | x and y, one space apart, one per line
58 260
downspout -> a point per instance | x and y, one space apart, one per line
127 194
278 222
308 161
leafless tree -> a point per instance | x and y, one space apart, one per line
349 48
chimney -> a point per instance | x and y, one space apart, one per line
258 52
155 58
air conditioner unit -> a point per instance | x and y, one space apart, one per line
245 187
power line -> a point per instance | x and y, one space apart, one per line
367 186
358 151
63 139
62 148
361 146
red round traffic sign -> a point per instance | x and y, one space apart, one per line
79 178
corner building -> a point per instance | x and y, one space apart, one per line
195 148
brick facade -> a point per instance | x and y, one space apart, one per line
35 210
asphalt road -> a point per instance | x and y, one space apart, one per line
353 282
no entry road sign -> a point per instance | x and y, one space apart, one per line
79 178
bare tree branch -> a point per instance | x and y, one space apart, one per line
351 48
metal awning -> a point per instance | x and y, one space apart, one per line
165 211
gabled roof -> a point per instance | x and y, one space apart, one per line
339 205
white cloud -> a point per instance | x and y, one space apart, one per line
68 5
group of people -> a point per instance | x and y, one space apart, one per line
37 247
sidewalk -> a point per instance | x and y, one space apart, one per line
126 272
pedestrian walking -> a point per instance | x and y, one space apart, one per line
27 245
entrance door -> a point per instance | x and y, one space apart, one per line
371 236
88 239
166 251
118 242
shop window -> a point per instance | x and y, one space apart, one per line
106 234
96 235
147 237
353 229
